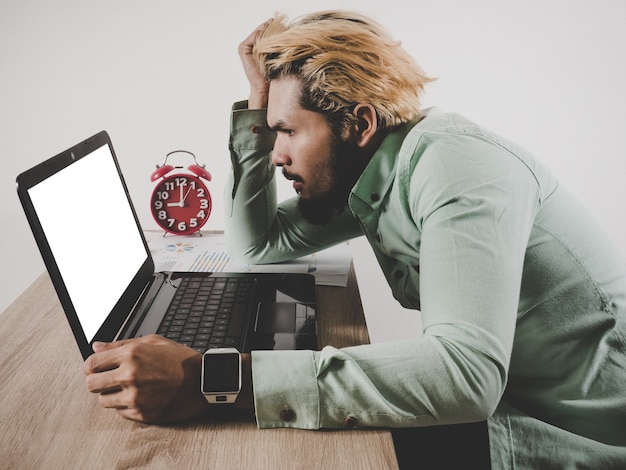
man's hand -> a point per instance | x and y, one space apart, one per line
259 87
150 379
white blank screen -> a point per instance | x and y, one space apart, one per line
89 225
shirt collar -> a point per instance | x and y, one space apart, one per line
379 173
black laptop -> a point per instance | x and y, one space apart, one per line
81 215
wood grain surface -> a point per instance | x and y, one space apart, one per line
49 420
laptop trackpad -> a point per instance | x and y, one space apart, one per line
285 326
277 317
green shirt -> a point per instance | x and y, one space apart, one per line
522 297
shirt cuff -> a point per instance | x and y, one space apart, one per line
249 129
285 389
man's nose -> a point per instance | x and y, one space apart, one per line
280 158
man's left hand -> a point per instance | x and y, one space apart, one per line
149 379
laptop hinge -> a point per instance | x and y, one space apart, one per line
141 307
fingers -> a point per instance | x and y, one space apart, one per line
150 379
105 371
246 46
117 399
103 382
104 357
113 370
108 356
259 88
123 402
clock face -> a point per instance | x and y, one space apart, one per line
181 204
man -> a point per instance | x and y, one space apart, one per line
523 299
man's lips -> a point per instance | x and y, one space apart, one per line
297 181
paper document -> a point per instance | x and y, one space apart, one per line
207 253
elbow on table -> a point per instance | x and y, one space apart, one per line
260 253
244 251
484 408
484 390
247 256
477 374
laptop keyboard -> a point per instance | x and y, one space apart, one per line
208 312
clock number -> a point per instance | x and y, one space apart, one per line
176 208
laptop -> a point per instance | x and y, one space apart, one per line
88 233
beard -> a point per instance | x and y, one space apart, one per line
319 210
342 175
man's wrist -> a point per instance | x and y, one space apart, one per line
257 100
245 400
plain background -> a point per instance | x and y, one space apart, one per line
161 75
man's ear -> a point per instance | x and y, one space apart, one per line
367 124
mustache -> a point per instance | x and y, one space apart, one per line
292 176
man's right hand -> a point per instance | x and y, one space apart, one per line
259 87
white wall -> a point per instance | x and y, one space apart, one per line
161 75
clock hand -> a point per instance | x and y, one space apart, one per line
180 202
183 199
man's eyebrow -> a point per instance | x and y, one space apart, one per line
280 125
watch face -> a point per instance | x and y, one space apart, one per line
220 373
181 204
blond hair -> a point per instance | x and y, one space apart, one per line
342 59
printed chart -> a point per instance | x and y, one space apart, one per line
207 253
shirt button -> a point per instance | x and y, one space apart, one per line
398 274
374 197
287 415
350 422
255 129
378 237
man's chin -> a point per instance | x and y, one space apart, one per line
318 211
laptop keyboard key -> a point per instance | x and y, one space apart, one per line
208 312
236 320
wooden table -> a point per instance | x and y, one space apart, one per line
49 420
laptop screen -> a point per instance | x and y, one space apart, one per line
92 233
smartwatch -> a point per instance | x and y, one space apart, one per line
221 375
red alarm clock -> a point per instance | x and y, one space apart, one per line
180 202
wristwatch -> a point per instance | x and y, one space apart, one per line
221 375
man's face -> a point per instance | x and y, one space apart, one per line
309 153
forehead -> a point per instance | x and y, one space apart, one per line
284 109
283 101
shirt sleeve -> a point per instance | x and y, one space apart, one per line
258 228
474 205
